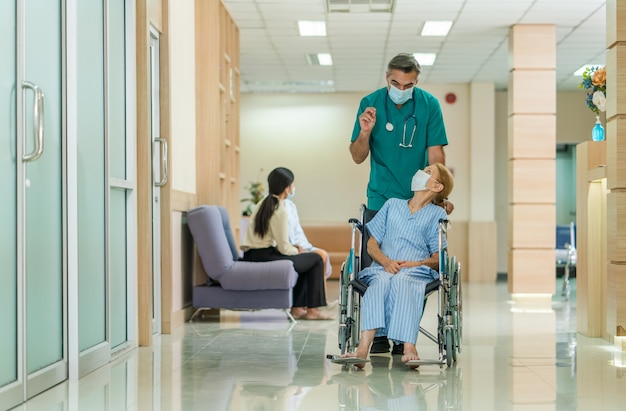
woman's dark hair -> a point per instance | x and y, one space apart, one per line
278 180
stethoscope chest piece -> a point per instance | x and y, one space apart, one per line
389 126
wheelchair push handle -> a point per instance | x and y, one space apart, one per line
444 223
355 223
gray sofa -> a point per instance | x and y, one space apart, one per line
232 283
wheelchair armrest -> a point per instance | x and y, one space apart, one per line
359 286
432 286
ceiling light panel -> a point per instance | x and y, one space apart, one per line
312 28
425 59
436 28
360 6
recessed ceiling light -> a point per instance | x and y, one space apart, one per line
312 28
325 59
582 69
436 28
319 59
425 59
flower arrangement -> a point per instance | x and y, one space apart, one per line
256 190
594 81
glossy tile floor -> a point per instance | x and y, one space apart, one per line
517 355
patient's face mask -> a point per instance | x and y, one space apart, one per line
418 183
400 96
293 193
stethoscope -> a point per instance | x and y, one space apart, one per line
389 125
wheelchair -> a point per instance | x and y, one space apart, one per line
449 332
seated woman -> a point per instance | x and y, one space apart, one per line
298 238
404 246
267 239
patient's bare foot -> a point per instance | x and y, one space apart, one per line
410 354
359 353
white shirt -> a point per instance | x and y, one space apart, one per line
276 236
296 233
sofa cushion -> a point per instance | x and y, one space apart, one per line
270 275
205 224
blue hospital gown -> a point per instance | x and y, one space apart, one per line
393 304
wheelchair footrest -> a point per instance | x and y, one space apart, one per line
338 359
413 363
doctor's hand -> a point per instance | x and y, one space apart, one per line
367 119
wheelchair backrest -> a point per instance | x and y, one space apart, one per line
366 216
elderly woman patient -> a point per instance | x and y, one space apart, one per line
404 246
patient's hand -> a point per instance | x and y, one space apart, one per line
393 266
409 264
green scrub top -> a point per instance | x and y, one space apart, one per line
391 166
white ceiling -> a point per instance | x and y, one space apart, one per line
273 55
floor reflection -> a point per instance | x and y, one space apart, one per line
391 386
517 356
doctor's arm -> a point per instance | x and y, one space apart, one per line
436 155
360 147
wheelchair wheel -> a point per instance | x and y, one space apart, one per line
459 310
449 347
355 328
452 304
344 325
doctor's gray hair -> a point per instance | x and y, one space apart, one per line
404 62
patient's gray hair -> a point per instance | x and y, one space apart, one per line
404 62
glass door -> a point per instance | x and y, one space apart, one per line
159 178
33 351
9 391
40 188
120 125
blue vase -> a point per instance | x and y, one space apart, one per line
597 132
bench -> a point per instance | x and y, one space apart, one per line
332 237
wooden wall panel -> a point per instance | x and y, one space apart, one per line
534 225
616 301
458 246
535 136
532 181
590 240
532 46
532 152
615 152
532 266
615 18
534 92
217 106
616 216
616 80
144 178
482 244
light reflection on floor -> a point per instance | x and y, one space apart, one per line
517 355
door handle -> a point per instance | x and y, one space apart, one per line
163 144
38 121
